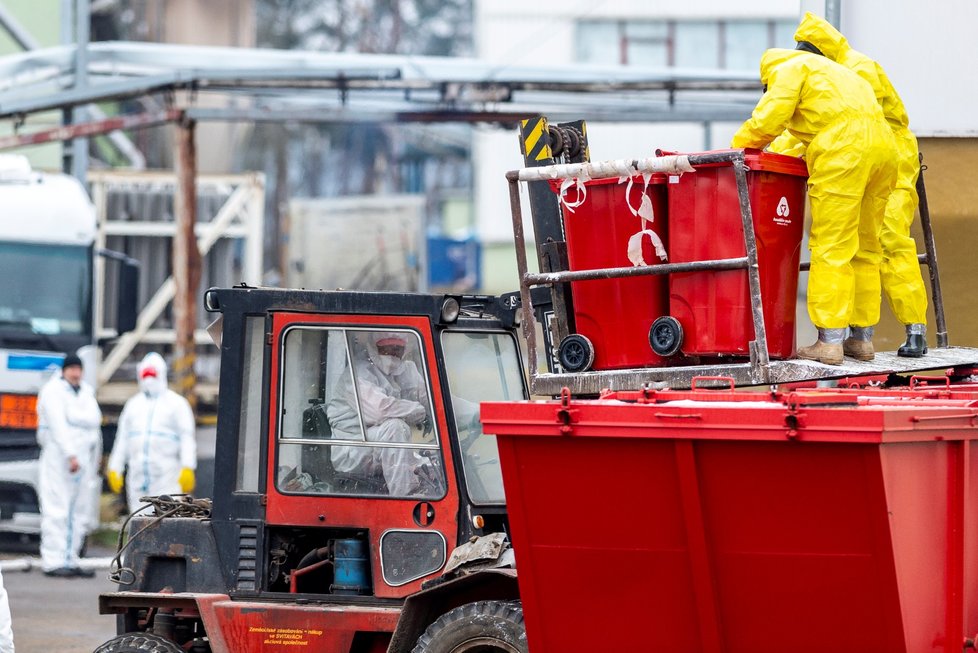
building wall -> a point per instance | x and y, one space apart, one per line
207 22
928 51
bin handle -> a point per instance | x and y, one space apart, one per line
922 381
728 379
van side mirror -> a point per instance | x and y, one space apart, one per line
128 299
127 290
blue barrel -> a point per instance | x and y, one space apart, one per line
351 573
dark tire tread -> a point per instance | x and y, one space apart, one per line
139 643
500 619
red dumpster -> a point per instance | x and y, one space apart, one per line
739 522
714 308
615 315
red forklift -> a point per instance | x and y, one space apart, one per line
298 552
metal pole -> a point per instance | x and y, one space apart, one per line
107 126
527 323
931 249
759 355
83 24
186 262
740 263
833 12
16 31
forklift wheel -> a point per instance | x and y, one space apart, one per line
575 353
139 643
666 336
484 626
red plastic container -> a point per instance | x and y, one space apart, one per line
730 521
714 308
616 314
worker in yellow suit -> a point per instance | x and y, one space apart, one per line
903 284
851 165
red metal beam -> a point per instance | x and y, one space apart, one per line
79 130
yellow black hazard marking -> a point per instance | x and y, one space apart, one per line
536 144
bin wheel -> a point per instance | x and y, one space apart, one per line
139 643
666 335
480 627
575 353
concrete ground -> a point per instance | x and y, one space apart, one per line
58 614
61 614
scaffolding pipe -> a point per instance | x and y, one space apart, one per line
186 262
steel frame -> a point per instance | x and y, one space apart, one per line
761 369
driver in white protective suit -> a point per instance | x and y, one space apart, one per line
69 434
156 440
393 398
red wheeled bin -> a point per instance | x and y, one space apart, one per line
713 308
613 315
740 523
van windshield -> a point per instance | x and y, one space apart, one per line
46 292
481 366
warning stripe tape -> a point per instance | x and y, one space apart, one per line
537 148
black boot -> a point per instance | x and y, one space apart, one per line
915 347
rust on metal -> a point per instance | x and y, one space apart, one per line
186 262
930 247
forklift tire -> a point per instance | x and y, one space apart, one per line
139 643
483 627
666 335
575 353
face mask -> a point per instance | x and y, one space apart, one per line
388 364
152 385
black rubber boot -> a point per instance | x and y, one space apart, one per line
915 347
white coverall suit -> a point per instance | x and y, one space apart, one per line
156 439
6 631
393 398
69 424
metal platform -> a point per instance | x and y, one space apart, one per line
745 374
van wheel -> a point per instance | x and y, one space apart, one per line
480 627
139 643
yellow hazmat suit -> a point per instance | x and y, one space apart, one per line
850 156
903 285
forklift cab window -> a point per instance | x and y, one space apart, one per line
251 392
355 415
481 366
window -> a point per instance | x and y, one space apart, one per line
355 415
481 366
33 304
730 44
249 425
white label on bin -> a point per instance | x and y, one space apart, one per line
783 212
673 179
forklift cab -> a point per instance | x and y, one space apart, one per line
372 465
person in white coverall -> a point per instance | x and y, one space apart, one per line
393 398
6 630
155 443
69 434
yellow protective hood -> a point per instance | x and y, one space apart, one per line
773 58
820 33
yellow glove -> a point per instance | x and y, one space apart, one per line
115 482
186 480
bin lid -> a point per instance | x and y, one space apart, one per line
757 160
817 415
